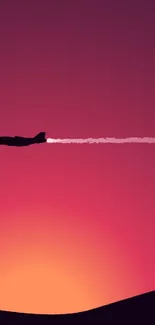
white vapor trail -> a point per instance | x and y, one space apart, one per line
103 140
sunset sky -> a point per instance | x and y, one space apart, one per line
77 222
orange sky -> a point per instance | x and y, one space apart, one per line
76 221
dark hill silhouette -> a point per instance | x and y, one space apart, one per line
135 310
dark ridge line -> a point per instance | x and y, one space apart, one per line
136 309
86 311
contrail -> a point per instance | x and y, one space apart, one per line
103 140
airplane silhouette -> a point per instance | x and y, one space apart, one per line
22 141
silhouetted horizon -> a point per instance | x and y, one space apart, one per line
137 308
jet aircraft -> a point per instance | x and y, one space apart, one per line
22 141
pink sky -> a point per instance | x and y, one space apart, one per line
76 222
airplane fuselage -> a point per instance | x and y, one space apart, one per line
22 141
16 141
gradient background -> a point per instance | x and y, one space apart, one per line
76 221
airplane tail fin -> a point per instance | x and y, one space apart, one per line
40 137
